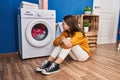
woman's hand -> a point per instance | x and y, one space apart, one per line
67 42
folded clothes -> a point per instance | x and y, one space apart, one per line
31 7
59 29
28 3
60 25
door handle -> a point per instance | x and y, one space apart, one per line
97 7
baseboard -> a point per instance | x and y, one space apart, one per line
12 54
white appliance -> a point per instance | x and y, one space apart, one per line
36 32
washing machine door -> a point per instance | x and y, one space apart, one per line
38 33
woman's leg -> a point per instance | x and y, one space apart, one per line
72 55
62 55
55 65
54 53
48 62
79 53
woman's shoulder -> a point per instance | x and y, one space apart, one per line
64 33
79 34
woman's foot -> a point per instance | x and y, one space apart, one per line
44 65
51 69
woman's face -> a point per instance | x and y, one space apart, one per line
65 26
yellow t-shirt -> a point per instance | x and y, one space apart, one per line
76 39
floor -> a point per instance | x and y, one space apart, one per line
104 64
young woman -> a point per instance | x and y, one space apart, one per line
71 41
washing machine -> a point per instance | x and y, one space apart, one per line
36 32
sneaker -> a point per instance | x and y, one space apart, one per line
51 69
44 65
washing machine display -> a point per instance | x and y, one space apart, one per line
39 32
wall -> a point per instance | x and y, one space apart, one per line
7 37
8 18
8 25
64 7
118 36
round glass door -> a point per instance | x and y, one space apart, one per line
39 32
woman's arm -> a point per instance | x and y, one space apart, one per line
67 42
77 38
59 39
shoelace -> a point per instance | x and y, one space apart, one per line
44 64
51 67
